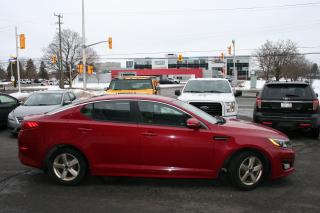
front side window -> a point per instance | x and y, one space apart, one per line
118 111
160 114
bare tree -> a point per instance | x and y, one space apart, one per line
299 67
274 56
71 52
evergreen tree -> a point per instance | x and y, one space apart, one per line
43 73
31 71
3 74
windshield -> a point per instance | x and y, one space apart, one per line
131 84
207 86
197 111
292 91
44 99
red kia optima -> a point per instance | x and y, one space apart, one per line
151 136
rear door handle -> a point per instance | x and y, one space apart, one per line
149 134
84 129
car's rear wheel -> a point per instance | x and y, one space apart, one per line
314 133
67 166
246 170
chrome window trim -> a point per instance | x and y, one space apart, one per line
127 99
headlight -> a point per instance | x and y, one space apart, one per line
230 106
281 143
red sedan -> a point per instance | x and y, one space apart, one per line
151 136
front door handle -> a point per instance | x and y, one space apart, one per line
149 134
84 129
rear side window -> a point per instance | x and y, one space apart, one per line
291 91
117 111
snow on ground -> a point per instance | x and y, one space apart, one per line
246 85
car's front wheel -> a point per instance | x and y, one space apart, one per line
246 170
67 166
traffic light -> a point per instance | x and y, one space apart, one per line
80 68
54 59
222 56
180 57
229 50
90 69
22 41
110 42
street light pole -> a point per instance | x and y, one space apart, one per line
84 50
235 73
17 53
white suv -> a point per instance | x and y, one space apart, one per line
212 95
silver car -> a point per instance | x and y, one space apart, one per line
38 103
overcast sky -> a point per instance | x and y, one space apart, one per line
168 26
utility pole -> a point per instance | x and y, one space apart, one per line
84 50
235 72
17 53
61 81
70 81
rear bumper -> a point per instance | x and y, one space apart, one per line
287 122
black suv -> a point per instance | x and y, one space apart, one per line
288 106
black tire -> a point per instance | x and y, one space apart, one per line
56 160
234 171
314 133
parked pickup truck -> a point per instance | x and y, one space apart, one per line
212 95
133 85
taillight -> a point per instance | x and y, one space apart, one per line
315 105
30 124
258 103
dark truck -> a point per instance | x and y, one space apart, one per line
288 106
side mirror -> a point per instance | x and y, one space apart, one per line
66 102
257 94
193 123
238 93
177 92
20 103
157 88
317 95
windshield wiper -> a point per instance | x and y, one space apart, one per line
220 120
191 91
213 91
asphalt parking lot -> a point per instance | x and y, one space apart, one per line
23 189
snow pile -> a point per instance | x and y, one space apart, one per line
316 86
94 86
20 95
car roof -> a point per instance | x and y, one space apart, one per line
284 82
52 91
130 96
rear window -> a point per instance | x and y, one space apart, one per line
291 91
131 84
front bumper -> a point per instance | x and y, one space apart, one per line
287 122
13 126
282 163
